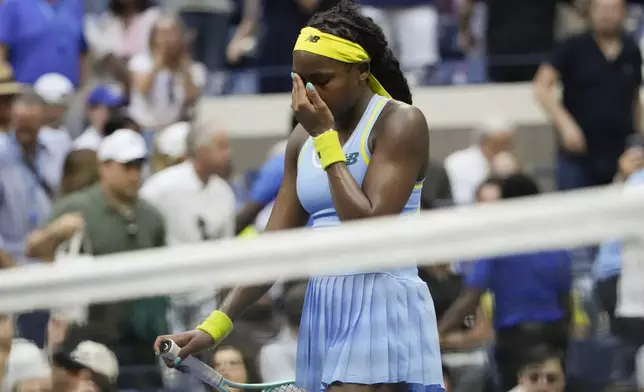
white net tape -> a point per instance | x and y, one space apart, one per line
562 220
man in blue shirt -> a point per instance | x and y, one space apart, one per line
531 296
30 169
263 192
265 186
43 36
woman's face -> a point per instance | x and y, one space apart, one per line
167 34
230 363
338 84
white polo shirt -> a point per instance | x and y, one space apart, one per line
466 170
162 106
191 209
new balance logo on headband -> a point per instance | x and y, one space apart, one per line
313 38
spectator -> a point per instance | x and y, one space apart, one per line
199 179
468 168
505 164
39 37
283 19
30 168
82 365
57 93
541 370
119 120
197 205
243 42
600 72
27 368
401 22
532 294
608 271
263 192
489 190
100 104
277 358
236 366
120 34
462 350
519 35
8 91
80 171
165 81
114 220
171 146
259 204
209 21
437 190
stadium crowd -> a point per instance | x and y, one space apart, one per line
101 151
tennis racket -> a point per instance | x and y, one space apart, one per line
191 365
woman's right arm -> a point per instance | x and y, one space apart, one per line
142 77
287 213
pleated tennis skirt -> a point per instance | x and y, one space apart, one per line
375 328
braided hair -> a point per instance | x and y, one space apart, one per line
345 21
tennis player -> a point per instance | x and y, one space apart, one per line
359 151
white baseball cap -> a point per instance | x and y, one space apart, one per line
26 362
54 89
172 140
97 358
123 146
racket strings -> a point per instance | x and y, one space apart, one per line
284 388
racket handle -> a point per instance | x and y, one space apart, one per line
169 350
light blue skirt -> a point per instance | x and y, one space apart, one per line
368 329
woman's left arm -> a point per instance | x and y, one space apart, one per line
401 150
189 84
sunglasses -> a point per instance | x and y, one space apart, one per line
550 378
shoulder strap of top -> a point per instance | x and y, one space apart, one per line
368 126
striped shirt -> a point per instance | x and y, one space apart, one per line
24 204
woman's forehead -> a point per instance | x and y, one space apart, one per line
305 63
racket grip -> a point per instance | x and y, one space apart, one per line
169 350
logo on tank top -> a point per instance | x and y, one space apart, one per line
351 158
313 38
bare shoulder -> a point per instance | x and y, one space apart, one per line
405 123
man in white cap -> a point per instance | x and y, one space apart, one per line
58 92
88 362
114 220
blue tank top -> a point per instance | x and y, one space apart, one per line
313 188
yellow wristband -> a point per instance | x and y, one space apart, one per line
329 149
218 325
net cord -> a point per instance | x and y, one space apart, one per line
553 221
